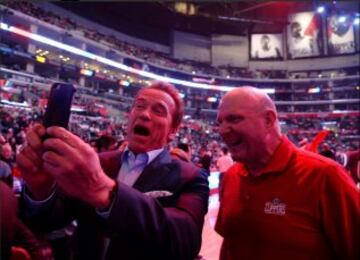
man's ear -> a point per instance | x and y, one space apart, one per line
270 118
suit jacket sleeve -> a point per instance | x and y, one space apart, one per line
175 231
58 211
159 228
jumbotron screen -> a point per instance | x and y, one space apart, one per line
266 46
340 35
303 34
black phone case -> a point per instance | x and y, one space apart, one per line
59 104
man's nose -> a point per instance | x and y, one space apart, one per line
145 114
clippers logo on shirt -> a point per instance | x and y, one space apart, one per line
275 207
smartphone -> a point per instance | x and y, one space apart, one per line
59 104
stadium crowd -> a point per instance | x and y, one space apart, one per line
93 127
147 55
197 139
201 138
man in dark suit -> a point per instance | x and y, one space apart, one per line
139 203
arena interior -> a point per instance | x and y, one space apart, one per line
305 55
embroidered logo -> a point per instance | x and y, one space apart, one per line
275 207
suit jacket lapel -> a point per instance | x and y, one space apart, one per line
155 172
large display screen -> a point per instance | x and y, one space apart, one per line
340 34
266 46
303 35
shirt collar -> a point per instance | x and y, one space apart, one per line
150 156
279 160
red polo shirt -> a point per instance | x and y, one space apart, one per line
301 206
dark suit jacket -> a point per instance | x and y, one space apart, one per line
139 226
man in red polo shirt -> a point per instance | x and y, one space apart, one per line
278 201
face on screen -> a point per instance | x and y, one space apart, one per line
296 30
265 42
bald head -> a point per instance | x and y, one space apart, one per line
249 97
249 125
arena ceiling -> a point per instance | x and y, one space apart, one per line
154 20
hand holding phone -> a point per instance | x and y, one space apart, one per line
59 104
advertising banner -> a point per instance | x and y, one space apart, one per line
266 46
341 38
303 35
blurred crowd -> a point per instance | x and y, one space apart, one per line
196 141
200 137
146 54
93 123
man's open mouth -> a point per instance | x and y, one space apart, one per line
141 130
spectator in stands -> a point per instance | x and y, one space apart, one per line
313 146
7 154
185 147
181 152
5 173
278 201
105 143
326 151
352 164
141 203
5 169
204 160
303 143
223 163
